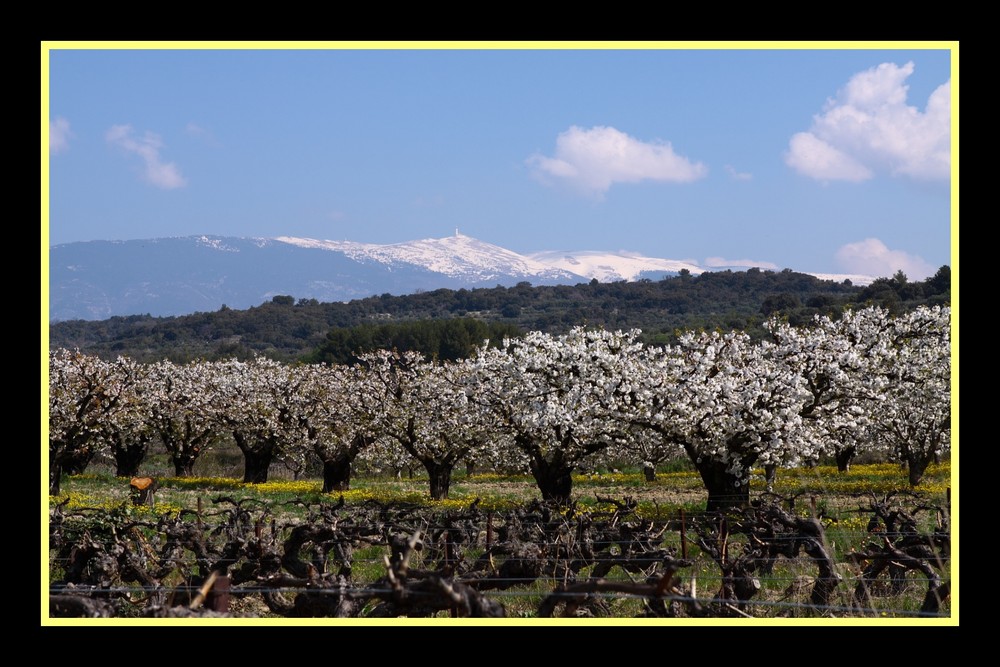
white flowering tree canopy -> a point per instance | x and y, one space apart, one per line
556 397
913 424
184 411
337 424
729 403
87 398
841 361
266 406
423 408
876 383
864 381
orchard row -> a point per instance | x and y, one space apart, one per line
864 382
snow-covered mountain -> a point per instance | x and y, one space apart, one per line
457 256
624 265
176 276
609 267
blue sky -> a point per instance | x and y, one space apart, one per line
822 160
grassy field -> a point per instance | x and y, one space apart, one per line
834 492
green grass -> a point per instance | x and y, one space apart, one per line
838 496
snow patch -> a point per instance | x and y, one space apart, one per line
611 267
216 244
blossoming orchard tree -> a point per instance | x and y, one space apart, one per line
86 395
842 362
913 424
338 425
554 396
182 410
728 403
425 410
265 405
128 432
877 383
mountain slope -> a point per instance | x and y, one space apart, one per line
458 256
285 329
176 276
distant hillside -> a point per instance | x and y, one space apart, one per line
287 328
95 280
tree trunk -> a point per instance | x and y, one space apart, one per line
75 461
650 473
183 464
725 490
337 474
917 465
256 463
439 475
554 479
770 473
55 475
65 458
337 466
844 458
257 456
129 457
183 447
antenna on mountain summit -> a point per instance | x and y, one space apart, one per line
456 232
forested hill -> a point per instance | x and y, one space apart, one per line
287 328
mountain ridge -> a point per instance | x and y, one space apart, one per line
94 280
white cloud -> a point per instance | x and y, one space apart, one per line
738 175
162 174
595 159
873 258
816 158
749 263
870 128
59 135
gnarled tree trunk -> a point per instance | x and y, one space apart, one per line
75 461
337 474
337 462
439 475
257 456
63 459
725 490
917 465
844 458
129 456
183 464
554 479
770 474
55 476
